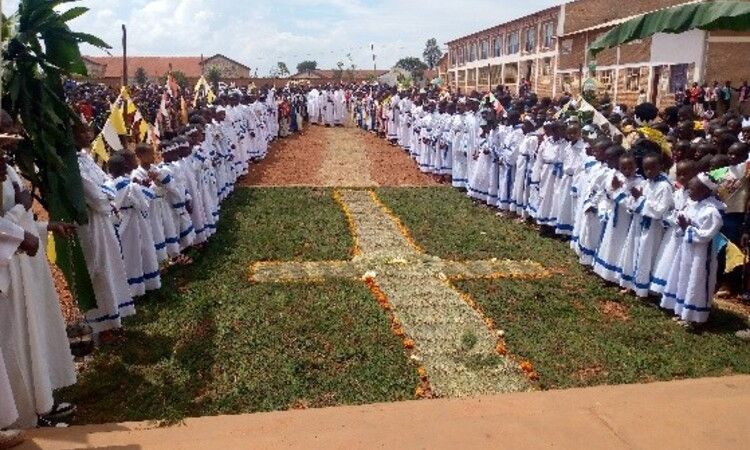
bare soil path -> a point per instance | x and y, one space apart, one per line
336 157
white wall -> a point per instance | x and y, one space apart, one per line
683 48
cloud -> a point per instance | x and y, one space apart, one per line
263 32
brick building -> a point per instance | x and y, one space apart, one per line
507 54
658 66
325 76
108 69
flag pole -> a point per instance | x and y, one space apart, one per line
124 56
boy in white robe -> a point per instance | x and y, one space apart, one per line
137 241
692 280
651 204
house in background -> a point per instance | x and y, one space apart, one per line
108 69
550 49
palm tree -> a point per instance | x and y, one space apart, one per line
39 52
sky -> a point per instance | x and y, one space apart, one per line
260 33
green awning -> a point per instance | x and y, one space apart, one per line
715 15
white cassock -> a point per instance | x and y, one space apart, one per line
551 155
178 196
102 252
313 106
198 214
339 107
692 280
136 240
479 178
11 236
614 212
526 151
670 242
645 235
564 204
459 146
328 107
35 346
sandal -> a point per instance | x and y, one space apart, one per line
43 422
60 411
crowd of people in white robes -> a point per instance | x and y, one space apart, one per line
640 217
144 211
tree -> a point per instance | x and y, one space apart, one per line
38 53
213 76
338 74
432 53
307 66
413 65
351 68
140 76
283 70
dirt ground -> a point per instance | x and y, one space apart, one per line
341 157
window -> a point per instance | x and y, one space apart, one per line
485 49
498 46
566 47
530 44
678 77
511 74
512 43
605 77
547 34
547 67
473 52
633 80
453 57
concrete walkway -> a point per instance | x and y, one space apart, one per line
706 413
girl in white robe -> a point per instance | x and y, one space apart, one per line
646 231
582 188
614 213
35 346
686 170
496 162
692 280
101 251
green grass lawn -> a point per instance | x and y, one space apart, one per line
211 343
576 330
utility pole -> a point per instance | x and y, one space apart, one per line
124 56
374 63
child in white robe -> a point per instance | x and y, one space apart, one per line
692 280
508 161
614 213
137 241
479 176
460 145
527 148
651 203
163 228
497 148
101 250
178 196
572 164
592 164
590 223
549 161
685 172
